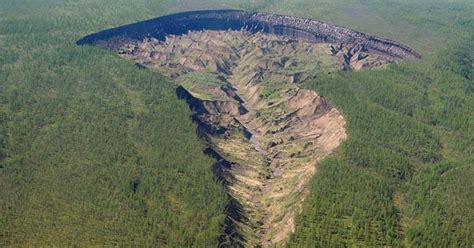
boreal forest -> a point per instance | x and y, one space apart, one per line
98 150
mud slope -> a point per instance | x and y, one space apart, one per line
266 134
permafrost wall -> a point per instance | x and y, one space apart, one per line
294 27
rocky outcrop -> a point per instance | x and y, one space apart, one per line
295 27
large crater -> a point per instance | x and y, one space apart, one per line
240 71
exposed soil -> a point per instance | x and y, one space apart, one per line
267 132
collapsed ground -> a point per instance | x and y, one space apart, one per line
266 133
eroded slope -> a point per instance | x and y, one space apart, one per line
266 132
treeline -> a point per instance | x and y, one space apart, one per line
403 176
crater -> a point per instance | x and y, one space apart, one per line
240 73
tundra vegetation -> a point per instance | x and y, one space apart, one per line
95 151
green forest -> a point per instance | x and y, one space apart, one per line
403 178
95 151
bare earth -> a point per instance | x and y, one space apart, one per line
268 133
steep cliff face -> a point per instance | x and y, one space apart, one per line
294 27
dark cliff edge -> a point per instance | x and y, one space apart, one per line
294 27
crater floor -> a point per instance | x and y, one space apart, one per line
266 133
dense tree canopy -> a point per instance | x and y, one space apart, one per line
95 151
402 178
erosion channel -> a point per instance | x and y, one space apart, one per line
239 71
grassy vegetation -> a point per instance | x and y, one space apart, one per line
94 151
203 85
